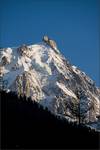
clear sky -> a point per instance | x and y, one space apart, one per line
73 24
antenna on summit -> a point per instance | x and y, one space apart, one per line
45 38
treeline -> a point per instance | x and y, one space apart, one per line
25 124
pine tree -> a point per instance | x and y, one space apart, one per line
83 107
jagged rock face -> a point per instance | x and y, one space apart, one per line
50 42
44 74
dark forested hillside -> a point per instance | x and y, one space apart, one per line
25 124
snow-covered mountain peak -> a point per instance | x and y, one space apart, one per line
40 71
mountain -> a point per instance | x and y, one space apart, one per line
41 72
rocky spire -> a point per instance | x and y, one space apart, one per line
50 42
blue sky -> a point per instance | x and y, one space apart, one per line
73 24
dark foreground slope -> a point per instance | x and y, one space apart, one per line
26 124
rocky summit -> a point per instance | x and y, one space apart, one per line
41 72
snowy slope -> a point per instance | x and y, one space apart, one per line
40 71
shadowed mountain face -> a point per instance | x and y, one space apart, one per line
42 73
25 124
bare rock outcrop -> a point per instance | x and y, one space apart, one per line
23 50
5 60
50 42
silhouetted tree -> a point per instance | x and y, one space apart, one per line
81 106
